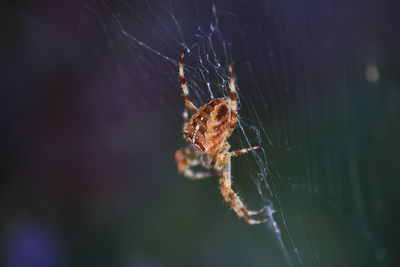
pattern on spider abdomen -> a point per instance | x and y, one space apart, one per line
209 126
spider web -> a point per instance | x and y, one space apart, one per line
283 107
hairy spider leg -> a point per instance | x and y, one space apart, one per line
232 198
185 163
189 105
240 151
233 100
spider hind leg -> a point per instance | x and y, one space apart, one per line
233 200
237 205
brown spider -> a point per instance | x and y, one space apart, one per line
207 132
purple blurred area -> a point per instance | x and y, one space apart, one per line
76 152
60 105
31 243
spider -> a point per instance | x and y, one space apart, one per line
207 132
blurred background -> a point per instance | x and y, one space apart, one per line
92 113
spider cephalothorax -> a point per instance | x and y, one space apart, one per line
207 132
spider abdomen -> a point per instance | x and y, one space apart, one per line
209 126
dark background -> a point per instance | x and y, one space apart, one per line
91 121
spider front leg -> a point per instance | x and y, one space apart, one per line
232 198
233 99
187 158
189 104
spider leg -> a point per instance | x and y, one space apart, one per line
232 198
233 99
189 105
240 151
186 159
